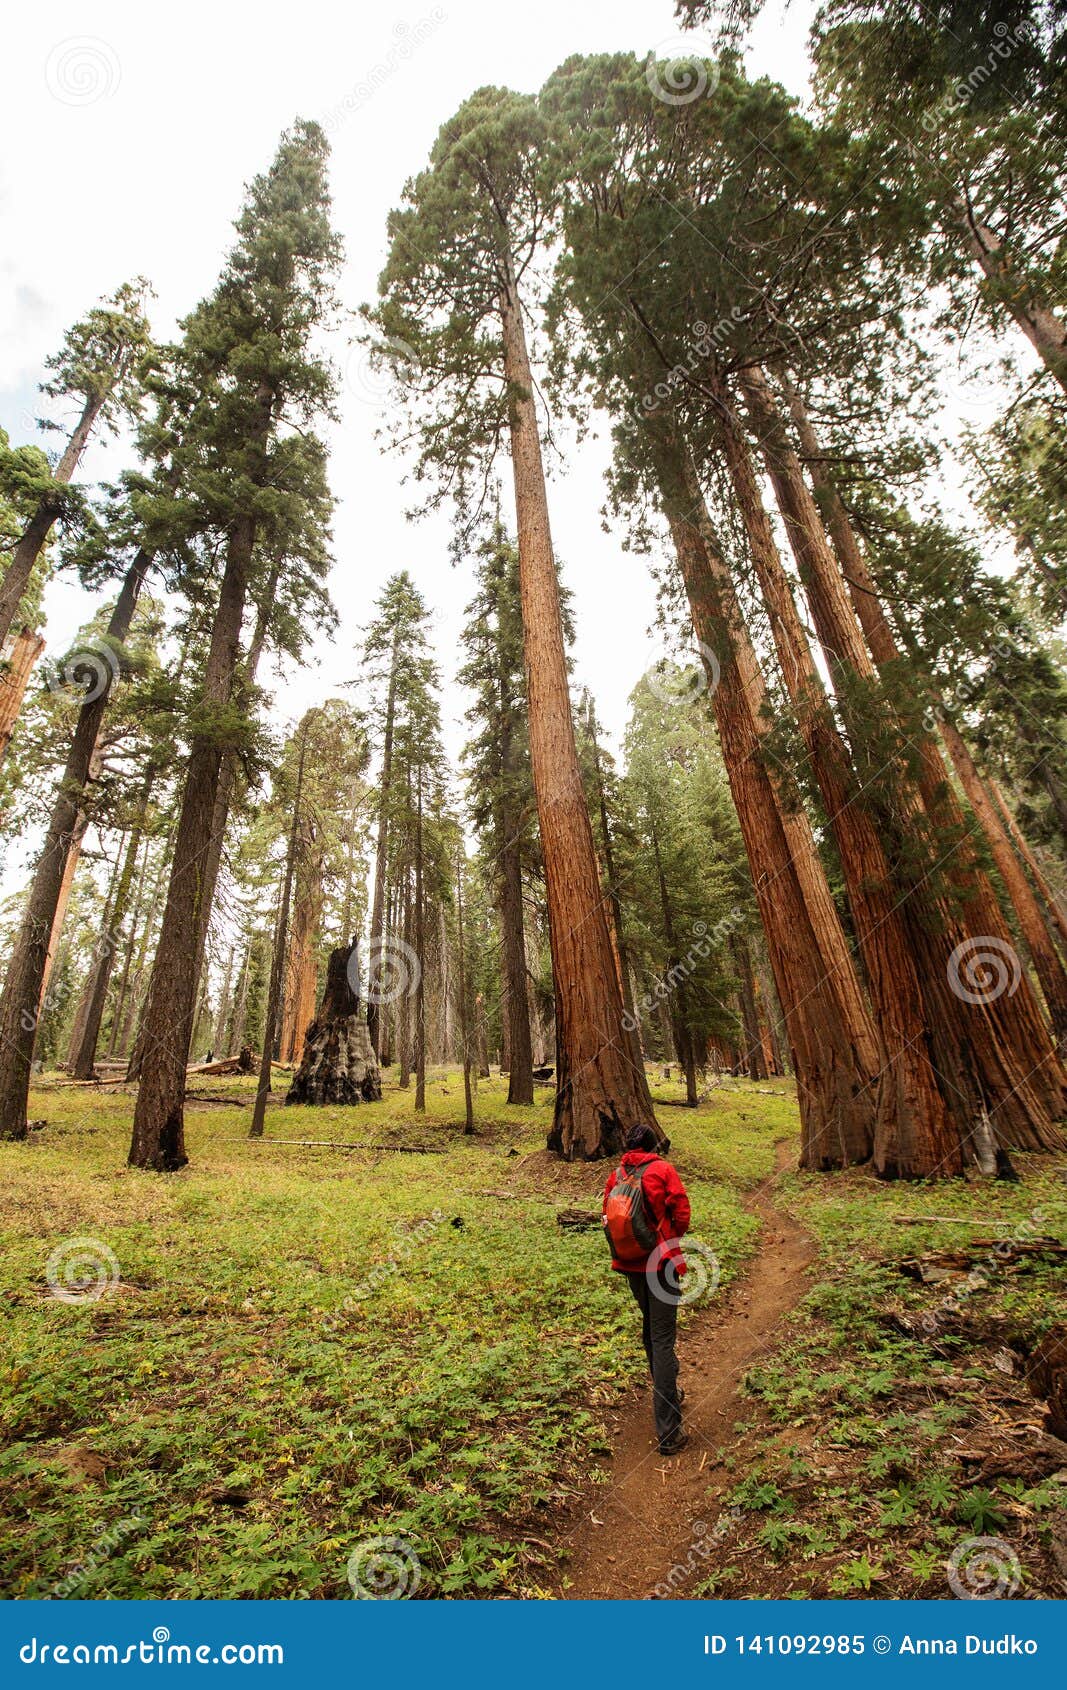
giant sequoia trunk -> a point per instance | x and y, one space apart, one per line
938 797
1046 959
995 1062
916 1133
339 1065
302 972
28 968
1053 906
835 1053
601 1090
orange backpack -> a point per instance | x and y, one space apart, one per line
628 1229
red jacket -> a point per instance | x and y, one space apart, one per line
667 1202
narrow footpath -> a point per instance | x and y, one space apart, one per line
645 1521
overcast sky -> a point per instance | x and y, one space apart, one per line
129 131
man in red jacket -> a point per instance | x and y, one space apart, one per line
645 1246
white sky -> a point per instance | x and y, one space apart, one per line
128 133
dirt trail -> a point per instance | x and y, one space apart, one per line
646 1513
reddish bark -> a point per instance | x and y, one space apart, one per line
601 1090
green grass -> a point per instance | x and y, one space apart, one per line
871 1428
312 1347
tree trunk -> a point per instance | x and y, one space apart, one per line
28 967
772 1019
134 1025
240 1011
1057 918
403 1031
104 942
158 1139
228 775
677 1014
301 978
84 1057
338 1065
37 530
119 1011
420 952
277 962
601 1091
836 1055
755 1060
630 1021
218 1036
381 850
1042 328
517 1003
990 1044
18 665
916 1133
464 1004
1046 959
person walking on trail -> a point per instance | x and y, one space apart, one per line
646 1214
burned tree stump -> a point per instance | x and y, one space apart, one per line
1047 1376
338 1064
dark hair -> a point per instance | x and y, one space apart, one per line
641 1138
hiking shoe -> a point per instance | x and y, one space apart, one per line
676 1445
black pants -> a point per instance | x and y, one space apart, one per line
659 1323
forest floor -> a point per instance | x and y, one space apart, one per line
311 1371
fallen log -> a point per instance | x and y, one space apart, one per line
336 1144
578 1220
1002 1251
948 1220
242 1063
